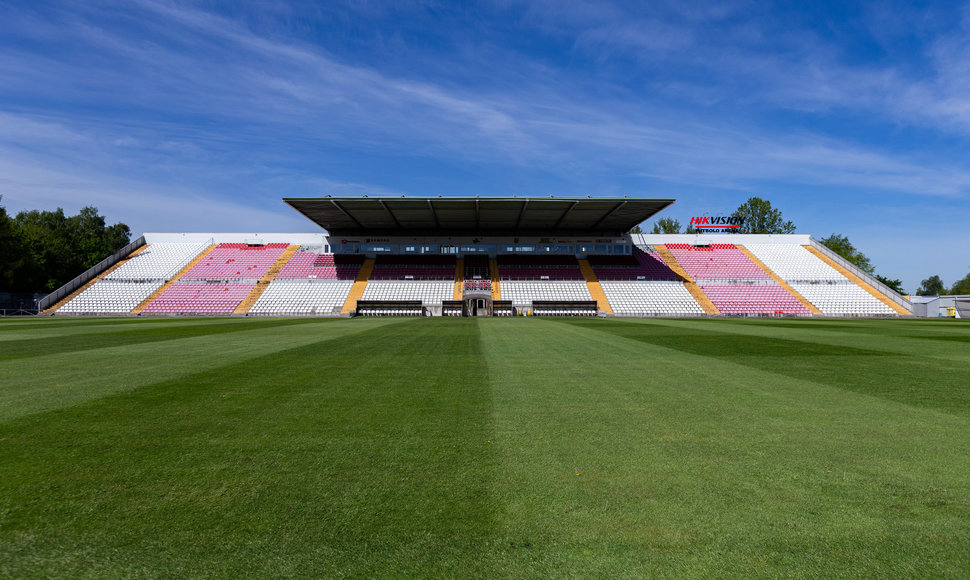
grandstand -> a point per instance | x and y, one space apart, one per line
472 256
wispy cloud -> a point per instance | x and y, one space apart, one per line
128 104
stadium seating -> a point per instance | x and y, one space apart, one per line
307 264
514 267
316 283
793 263
157 262
817 282
528 278
296 297
111 297
236 262
200 298
769 298
522 292
716 262
429 292
639 266
734 283
841 298
424 267
127 286
650 298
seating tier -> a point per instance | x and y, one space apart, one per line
650 298
522 292
308 265
422 267
236 262
716 262
157 262
792 262
111 297
303 297
639 266
429 292
841 299
200 297
753 299
513 267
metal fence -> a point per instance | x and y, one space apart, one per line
868 279
84 278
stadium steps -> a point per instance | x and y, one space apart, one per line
595 289
493 273
689 283
459 278
360 283
151 297
247 303
94 280
860 282
811 307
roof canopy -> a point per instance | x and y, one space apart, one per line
498 216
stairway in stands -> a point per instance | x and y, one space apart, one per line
138 309
496 285
689 283
257 291
860 283
811 307
459 278
593 284
360 284
94 280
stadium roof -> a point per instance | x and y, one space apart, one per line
499 216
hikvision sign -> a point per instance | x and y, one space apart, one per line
725 223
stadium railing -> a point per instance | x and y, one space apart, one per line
55 296
871 280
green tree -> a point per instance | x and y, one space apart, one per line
56 248
843 247
760 218
896 285
932 286
636 230
12 255
666 225
961 286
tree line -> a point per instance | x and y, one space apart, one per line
759 217
42 250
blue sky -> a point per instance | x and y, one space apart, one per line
851 118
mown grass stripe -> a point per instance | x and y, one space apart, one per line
362 456
695 465
934 382
43 346
30 385
47 328
447 448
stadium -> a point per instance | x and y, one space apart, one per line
477 257
482 387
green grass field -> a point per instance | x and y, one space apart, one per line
484 448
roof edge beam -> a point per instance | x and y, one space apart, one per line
563 216
397 224
606 215
518 221
434 214
346 213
